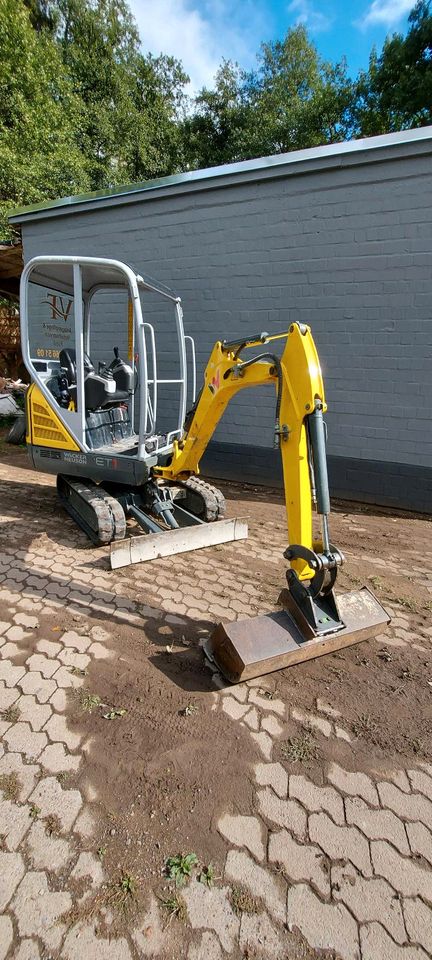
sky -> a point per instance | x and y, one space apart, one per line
202 32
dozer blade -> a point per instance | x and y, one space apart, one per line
152 546
251 648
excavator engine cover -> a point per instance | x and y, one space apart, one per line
253 647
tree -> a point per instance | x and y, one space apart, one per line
219 129
298 100
39 116
396 91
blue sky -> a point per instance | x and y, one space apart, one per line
202 32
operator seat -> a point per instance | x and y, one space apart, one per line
100 391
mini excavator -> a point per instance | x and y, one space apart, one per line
98 432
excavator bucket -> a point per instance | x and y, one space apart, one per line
251 648
153 546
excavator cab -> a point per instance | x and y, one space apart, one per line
119 453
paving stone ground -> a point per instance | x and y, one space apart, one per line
347 862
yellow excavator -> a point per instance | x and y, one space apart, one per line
98 432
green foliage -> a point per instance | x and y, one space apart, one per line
179 868
395 93
83 108
39 114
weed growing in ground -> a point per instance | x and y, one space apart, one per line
365 726
52 825
34 811
207 876
299 749
376 582
243 902
11 714
406 602
89 701
63 777
175 907
10 786
101 852
122 892
179 868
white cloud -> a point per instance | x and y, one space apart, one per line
200 35
308 15
387 12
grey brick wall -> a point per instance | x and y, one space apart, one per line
347 249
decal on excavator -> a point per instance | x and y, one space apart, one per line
215 383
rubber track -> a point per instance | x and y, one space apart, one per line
95 511
213 499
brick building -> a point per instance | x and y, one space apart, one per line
339 237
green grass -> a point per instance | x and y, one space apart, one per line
179 868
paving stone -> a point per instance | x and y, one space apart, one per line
376 943
243 832
21 739
32 712
10 674
317 798
64 678
50 647
27 950
88 867
23 620
46 852
39 663
407 877
309 720
17 634
240 691
8 696
59 700
85 824
300 861
369 900
265 703
259 937
340 843
240 868
82 941
272 775
6 935
150 937
413 806
251 719
354 784
4 625
27 773
377 824
70 658
34 684
208 947
100 652
55 759
11 872
14 823
418 920
10 650
59 732
421 782
272 726
211 909
324 707
342 734
233 708
420 840
265 744
38 910
49 796
326 926
286 813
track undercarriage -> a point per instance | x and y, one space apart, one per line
157 506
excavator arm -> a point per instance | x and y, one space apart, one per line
312 622
299 431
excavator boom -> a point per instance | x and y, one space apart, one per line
312 622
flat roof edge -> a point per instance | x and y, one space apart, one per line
328 155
